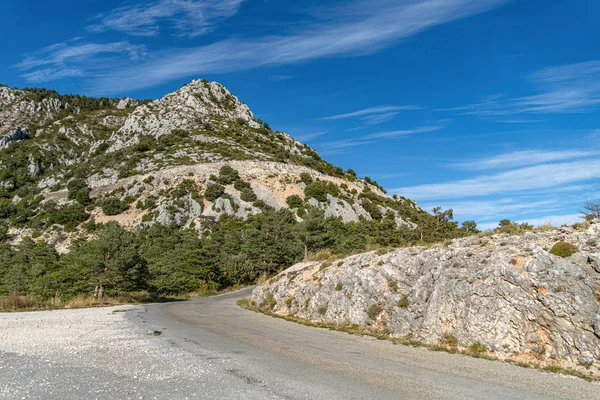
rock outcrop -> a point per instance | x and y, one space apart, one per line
508 293
16 135
182 109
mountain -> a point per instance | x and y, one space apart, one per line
190 189
141 151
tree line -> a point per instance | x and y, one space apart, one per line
169 260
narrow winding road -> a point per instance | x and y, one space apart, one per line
272 358
213 349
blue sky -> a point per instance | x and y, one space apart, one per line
489 107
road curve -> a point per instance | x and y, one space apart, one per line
272 358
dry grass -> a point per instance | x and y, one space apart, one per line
262 279
321 255
15 302
547 227
29 303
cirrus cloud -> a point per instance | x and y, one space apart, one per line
187 17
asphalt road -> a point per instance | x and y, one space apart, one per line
213 349
264 357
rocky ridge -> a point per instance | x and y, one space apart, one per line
507 293
140 152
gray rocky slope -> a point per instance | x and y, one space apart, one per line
142 151
505 292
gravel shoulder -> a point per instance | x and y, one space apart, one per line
211 348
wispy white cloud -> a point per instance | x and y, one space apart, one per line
555 220
523 158
519 180
187 17
401 133
280 78
378 118
368 112
364 28
345 145
308 136
518 121
571 88
487 209
342 146
51 74
493 105
66 59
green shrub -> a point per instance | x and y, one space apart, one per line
319 190
513 228
563 249
450 340
306 178
325 265
322 309
240 185
113 206
393 285
147 204
149 217
228 175
83 196
262 205
294 201
247 194
338 287
69 216
3 231
79 191
91 225
213 191
403 302
374 310
371 209
477 348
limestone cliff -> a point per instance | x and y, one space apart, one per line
508 293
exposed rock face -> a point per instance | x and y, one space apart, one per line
182 212
17 134
17 111
335 207
182 109
508 293
126 102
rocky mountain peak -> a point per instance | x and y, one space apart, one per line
185 108
157 161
